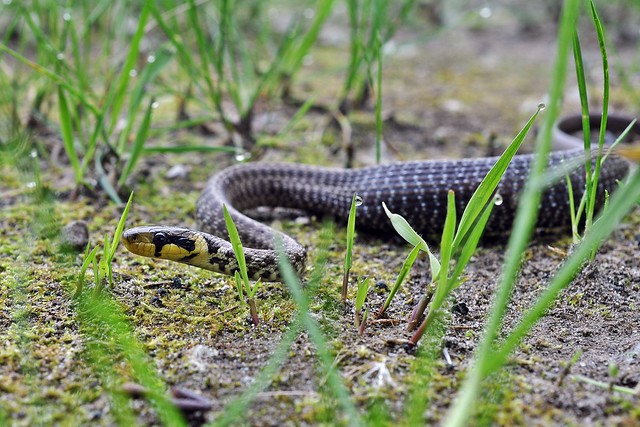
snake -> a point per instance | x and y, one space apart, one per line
417 190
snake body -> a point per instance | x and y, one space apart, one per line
417 190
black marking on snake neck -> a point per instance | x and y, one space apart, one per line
162 239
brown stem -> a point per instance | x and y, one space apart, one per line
418 311
345 285
254 311
363 325
423 327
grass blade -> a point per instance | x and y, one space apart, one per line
405 230
119 229
293 60
234 238
339 391
118 95
459 411
379 121
592 193
404 271
351 231
446 250
620 204
138 144
66 128
485 191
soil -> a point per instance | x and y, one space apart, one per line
461 93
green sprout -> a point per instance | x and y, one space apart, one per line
458 243
102 269
351 232
241 276
363 289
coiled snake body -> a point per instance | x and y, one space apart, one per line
416 190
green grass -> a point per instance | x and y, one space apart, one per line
241 277
491 356
110 337
348 255
458 242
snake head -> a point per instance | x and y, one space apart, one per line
165 242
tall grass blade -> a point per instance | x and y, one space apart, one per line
66 127
119 229
620 204
161 58
459 411
338 390
234 411
138 144
119 94
379 121
234 238
485 191
293 59
348 256
238 408
592 194
446 251
402 275
105 328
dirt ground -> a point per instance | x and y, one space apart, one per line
459 93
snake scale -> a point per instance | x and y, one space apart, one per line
417 190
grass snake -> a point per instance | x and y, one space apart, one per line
417 190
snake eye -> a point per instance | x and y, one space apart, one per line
159 239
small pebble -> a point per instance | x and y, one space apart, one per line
303 220
460 308
177 171
381 285
75 235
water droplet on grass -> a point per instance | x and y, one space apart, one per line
541 106
359 200
485 12
133 73
151 59
497 200
243 156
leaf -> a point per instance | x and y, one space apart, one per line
405 230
